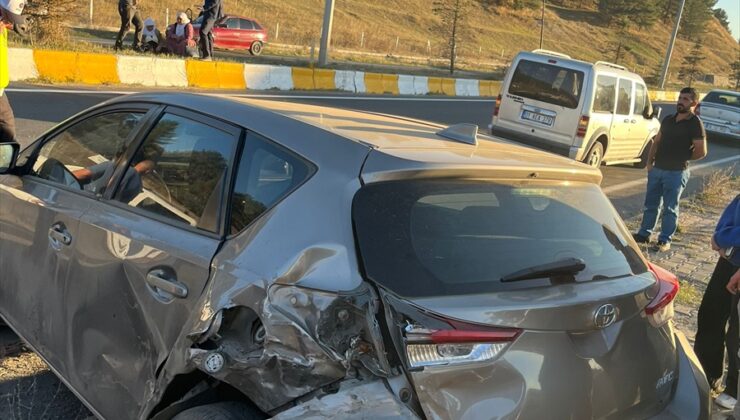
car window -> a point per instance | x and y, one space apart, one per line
641 100
547 83
723 98
232 23
180 172
257 25
446 237
624 97
266 174
245 24
84 155
606 88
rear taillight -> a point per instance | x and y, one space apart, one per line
697 110
582 126
456 346
660 310
498 106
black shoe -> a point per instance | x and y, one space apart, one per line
662 246
640 239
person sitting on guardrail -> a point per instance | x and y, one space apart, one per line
151 38
180 37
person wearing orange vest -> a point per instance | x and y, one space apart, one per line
10 11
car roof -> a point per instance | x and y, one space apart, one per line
317 132
600 66
729 92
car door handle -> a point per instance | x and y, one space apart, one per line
158 280
626 120
59 235
633 121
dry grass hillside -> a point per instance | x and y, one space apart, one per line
490 38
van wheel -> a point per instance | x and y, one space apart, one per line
227 410
644 156
595 155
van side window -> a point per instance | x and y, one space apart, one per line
624 99
605 91
640 99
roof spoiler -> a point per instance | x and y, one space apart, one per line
464 133
553 53
608 64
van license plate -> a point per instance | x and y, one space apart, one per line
538 118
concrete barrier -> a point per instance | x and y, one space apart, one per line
261 76
345 80
21 64
323 79
97 69
405 84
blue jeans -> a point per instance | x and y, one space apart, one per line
664 189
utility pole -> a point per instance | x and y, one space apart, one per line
542 23
668 53
326 33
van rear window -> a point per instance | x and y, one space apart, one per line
724 98
547 83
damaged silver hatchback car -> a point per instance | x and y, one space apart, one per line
183 256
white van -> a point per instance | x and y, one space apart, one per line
593 113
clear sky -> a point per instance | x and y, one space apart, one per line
732 7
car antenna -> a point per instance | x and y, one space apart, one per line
464 132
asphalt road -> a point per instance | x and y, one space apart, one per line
38 109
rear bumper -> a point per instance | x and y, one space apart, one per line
720 128
691 398
557 148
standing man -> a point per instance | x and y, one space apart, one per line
129 13
717 321
212 12
10 11
681 138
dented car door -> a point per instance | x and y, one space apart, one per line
144 258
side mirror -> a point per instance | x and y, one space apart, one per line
8 155
656 112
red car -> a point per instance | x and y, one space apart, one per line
236 33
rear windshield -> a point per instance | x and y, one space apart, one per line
547 83
723 98
434 238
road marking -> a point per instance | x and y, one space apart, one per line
262 95
637 182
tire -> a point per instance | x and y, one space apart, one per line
256 48
644 156
595 155
227 410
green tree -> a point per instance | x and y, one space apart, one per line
690 67
625 13
452 13
696 14
721 16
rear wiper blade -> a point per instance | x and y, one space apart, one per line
567 266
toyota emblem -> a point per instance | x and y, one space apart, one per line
605 315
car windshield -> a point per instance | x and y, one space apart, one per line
547 83
434 238
723 98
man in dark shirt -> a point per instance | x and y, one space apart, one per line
681 138
212 12
129 13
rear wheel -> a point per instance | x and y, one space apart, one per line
227 410
595 155
256 48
